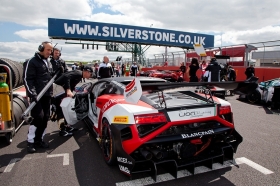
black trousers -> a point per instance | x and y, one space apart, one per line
193 79
41 115
59 113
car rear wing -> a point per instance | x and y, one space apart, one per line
236 86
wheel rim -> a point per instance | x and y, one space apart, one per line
106 141
253 98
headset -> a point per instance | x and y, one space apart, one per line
42 47
54 50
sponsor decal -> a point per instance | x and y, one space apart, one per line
120 119
130 85
123 160
198 113
133 91
110 102
187 114
124 169
198 134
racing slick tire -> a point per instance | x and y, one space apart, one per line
254 97
108 144
9 138
14 71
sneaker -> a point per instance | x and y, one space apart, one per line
41 144
65 133
31 148
70 129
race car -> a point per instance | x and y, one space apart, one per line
172 76
263 93
144 123
156 74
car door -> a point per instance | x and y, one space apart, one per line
93 109
81 101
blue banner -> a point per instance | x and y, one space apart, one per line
94 31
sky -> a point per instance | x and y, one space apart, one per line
24 24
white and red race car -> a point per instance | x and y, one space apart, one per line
144 122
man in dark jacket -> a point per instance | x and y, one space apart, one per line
38 72
214 70
68 81
231 74
183 69
105 69
250 71
134 69
57 62
123 69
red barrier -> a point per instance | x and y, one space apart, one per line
263 73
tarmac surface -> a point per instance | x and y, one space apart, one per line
78 160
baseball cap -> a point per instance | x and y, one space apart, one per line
88 68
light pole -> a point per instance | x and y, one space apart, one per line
221 39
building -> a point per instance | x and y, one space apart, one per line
267 58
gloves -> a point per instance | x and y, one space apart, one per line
33 98
61 68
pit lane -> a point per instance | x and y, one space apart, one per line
259 127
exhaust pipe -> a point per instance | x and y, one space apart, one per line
146 154
157 153
229 139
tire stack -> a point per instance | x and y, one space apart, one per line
16 70
19 106
20 103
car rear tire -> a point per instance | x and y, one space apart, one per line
108 143
254 97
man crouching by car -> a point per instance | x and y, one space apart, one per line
68 81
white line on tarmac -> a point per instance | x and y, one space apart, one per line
11 164
253 165
65 157
198 170
13 161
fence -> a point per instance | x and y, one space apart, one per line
265 53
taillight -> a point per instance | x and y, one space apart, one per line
150 118
224 110
147 123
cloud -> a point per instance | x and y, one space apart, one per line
37 35
36 13
232 22
205 15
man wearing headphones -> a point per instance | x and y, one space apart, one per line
38 72
57 62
